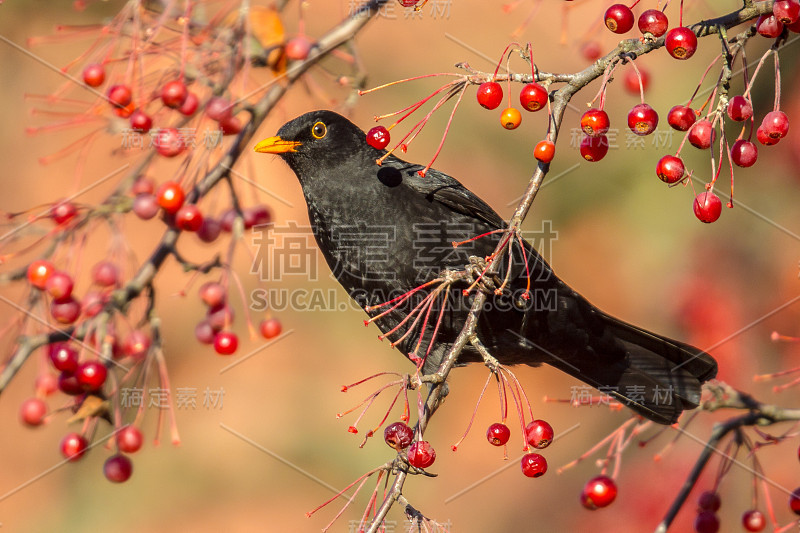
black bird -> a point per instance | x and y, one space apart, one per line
385 230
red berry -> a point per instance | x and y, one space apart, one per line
533 465
65 311
794 501
213 294
68 384
142 185
169 142
681 42
533 97
129 439
32 412
653 21
490 94
220 317
670 169
702 134
125 112
594 148
170 196
776 124
64 357
764 138
421 454
794 26
145 206
744 153
230 125
39 272
136 344
510 118
297 49
544 151
105 274
257 215
681 117
619 18
46 384
91 375
707 207
539 434
786 11
709 501
600 491
754 520
120 96
117 469
642 119
209 230
631 81
204 333
594 122
189 218
226 342
94 75
591 51
190 105
706 522
769 26
398 436
92 303
174 93
270 328
498 434
378 137
740 108
73 446
218 108
59 285
63 211
141 121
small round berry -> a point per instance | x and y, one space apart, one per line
59 285
91 375
213 294
270 328
46 384
64 357
94 75
105 274
204 333
136 344
794 26
498 434
378 137
230 125
421 454
594 122
209 230
653 21
174 93
599 492
539 434
226 342
219 108
776 124
63 212
73 446
39 272
65 311
190 105
533 97
786 11
642 119
544 151
670 169
189 218
169 142
68 384
764 137
594 148
707 207
754 520
490 94
533 465
510 118
769 26
297 48
129 439
681 42
794 501
702 134
220 317
32 412
145 206
141 121
706 522
681 117
632 80
591 51
398 436
93 302
619 18
709 501
744 153
739 108
257 215
119 96
117 468
125 112
142 185
170 196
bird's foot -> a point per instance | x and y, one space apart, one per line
476 272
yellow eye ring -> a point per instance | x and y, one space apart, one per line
319 130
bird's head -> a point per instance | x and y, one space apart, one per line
319 140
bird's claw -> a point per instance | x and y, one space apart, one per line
476 270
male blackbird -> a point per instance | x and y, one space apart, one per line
386 230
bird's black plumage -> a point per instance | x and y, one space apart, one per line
385 230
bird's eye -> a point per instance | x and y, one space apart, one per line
318 130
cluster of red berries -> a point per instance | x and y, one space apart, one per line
680 42
538 434
532 97
173 94
420 454
707 520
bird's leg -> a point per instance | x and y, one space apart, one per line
476 271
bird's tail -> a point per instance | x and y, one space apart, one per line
658 377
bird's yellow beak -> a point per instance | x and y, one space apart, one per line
276 145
